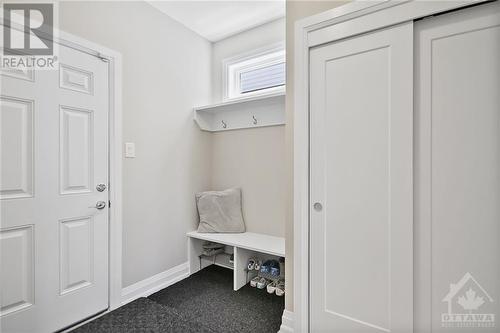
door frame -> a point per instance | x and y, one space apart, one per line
114 60
352 19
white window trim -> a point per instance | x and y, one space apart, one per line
232 68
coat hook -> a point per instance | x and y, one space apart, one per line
224 125
254 120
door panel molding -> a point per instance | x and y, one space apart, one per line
17 249
76 150
76 260
76 79
26 74
16 119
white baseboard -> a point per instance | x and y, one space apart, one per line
286 322
155 283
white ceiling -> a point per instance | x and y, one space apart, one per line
216 20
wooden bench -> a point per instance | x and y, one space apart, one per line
243 245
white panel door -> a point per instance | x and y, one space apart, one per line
54 245
457 171
361 118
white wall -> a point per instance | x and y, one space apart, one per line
166 70
253 159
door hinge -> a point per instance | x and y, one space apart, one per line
109 203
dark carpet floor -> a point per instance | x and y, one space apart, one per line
204 302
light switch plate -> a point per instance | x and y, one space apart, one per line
129 149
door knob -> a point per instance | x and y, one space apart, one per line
318 206
99 205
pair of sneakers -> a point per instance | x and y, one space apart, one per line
259 282
277 286
254 264
271 267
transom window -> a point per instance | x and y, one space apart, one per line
258 72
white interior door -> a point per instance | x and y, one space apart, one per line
54 151
457 171
361 118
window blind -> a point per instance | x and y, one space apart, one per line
262 78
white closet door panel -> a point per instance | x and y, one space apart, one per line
457 178
361 172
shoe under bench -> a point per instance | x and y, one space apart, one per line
243 245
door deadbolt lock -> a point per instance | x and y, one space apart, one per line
318 207
100 187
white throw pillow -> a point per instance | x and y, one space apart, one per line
220 211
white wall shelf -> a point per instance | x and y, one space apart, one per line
256 111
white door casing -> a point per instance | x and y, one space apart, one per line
361 100
54 266
457 163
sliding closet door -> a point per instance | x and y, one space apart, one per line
457 171
361 122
